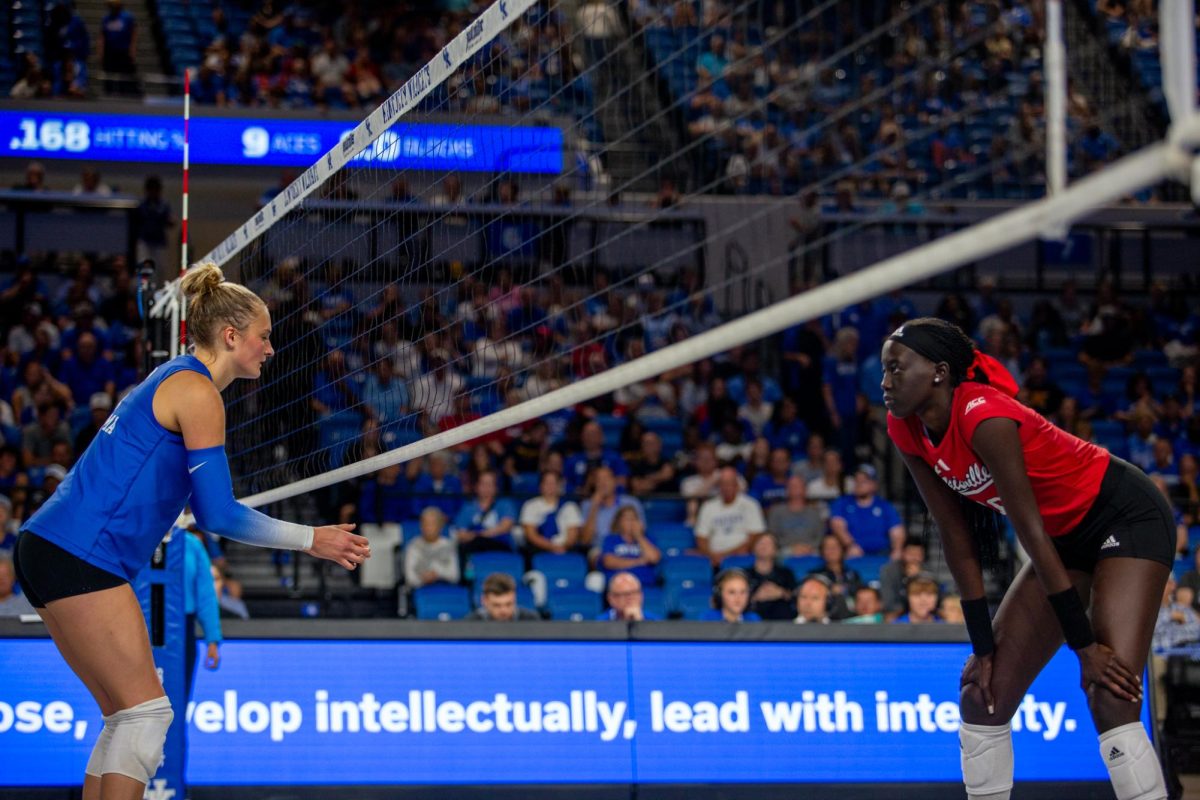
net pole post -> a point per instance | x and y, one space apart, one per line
1177 55
1056 100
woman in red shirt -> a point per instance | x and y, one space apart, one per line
1093 525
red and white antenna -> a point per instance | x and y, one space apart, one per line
183 224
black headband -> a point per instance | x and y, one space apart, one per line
922 341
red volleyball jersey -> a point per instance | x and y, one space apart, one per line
1065 471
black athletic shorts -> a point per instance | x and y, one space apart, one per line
47 573
1130 519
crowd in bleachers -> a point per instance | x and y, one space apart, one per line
678 476
950 95
765 459
1132 29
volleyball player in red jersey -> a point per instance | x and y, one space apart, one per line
1093 525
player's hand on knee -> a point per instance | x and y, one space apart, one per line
337 544
1099 666
978 671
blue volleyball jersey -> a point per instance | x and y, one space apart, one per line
127 489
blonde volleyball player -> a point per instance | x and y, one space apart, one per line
162 447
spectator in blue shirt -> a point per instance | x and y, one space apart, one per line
385 395
627 549
731 597
626 601
786 429
841 378
600 511
334 388
865 522
770 487
594 454
1177 623
486 521
437 487
199 604
1096 147
86 373
922 602
118 44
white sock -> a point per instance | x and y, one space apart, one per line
1132 764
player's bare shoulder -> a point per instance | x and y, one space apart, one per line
188 403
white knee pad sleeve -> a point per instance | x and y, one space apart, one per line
987 759
138 733
1132 764
95 764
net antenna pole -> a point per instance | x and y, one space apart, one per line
179 309
1056 109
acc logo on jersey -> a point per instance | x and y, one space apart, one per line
974 404
110 424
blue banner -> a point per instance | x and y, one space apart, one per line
276 143
421 712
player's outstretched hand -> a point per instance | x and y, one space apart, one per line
1099 666
337 544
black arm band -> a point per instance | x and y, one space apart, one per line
1077 628
979 626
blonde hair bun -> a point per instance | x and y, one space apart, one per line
214 303
202 279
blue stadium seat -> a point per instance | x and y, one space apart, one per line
441 602
562 571
693 603
1164 379
654 601
738 562
410 529
802 565
1145 359
1108 429
666 510
664 427
868 567
673 538
526 483
575 605
686 571
480 565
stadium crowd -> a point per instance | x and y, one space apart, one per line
950 100
757 484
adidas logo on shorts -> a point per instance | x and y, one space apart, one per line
1111 541
1114 754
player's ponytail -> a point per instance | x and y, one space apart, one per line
215 303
